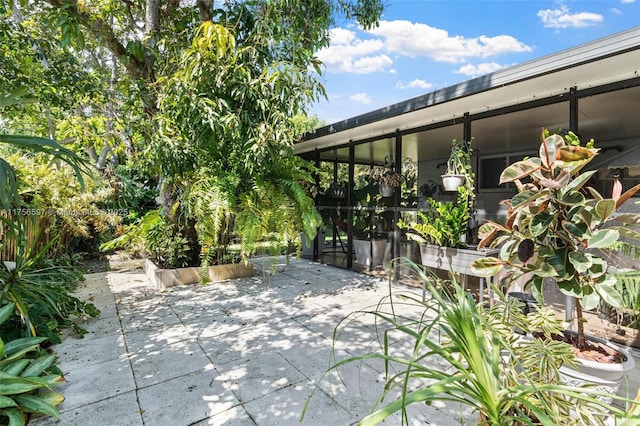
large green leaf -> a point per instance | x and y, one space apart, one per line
16 385
6 311
16 418
590 300
580 261
540 223
35 404
545 270
526 197
6 402
603 238
487 266
604 208
39 365
518 170
578 230
607 290
579 181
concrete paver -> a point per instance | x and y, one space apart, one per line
243 352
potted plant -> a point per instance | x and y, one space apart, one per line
388 179
450 349
442 228
555 228
368 245
458 166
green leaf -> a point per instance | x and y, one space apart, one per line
580 261
16 418
626 232
572 198
607 290
518 170
603 238
16 367
577 183
6 311
590 301
580 230
540 223
545 270
487 266
6 402
18 385
604 208
39 365
526 197
17 345
34 404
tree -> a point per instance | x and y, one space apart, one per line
218 87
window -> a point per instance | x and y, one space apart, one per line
492 166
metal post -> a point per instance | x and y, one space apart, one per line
352 169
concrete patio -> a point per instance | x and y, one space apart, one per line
243 352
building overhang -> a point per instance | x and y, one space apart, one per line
613 59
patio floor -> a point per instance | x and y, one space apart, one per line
243 352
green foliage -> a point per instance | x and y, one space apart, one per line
628 285
71 209
27 376
227 143
443 223
155 236
554 223
465 353
41 290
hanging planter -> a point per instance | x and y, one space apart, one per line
452 182
386 190
458 166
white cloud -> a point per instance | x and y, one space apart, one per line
347 53
477 70
627 1
362 97
414 84
563 18
416 39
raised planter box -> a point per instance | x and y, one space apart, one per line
163 278
451 259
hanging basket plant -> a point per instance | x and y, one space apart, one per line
458 166
387 179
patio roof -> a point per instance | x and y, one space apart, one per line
613 60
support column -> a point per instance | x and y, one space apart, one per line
352 155
573 110
395 235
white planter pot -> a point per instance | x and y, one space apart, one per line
370 252
452 182
606 377
307 246
386 191
451 259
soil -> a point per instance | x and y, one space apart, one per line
595 351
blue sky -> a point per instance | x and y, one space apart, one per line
425 45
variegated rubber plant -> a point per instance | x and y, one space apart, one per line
555 223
